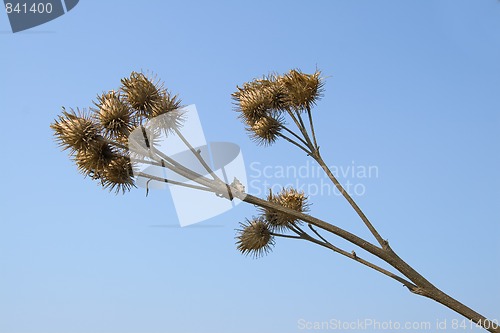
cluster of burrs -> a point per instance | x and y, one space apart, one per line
122 130
98 139
264 105
256 236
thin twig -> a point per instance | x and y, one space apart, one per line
137 160
284 236
294 134
197 154
316 155
167 165
408 284
173 182
297 230
185 172
380 240
295 143
311 125
301 128
306 134
317 233
303 235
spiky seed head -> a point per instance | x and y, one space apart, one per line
253 102
165 104
275 92
94 160
302 91
166 113
266 130
76 130
118 175
289 198
142 93
114 114
122 139
259 98
254 238
100 142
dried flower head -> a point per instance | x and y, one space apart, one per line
253 102
259 98
93 161
118 175
277 93
263 102
165 104
289 198
122 127
114 114
302 91
266 130
142 93
166 112
254 238
76 130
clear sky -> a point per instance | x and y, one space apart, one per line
412 90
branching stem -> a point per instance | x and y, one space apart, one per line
173 182
295 143
295 135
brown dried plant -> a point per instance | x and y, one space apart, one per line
103 146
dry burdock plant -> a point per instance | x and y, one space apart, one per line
99 141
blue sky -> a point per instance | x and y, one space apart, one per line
412 89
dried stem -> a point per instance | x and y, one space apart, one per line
294 143
173 182
349 199
419 286
410 278
197 154
185 172
285 236
301 128
318 234
313 148
311 125
295 135
416 283
355 257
